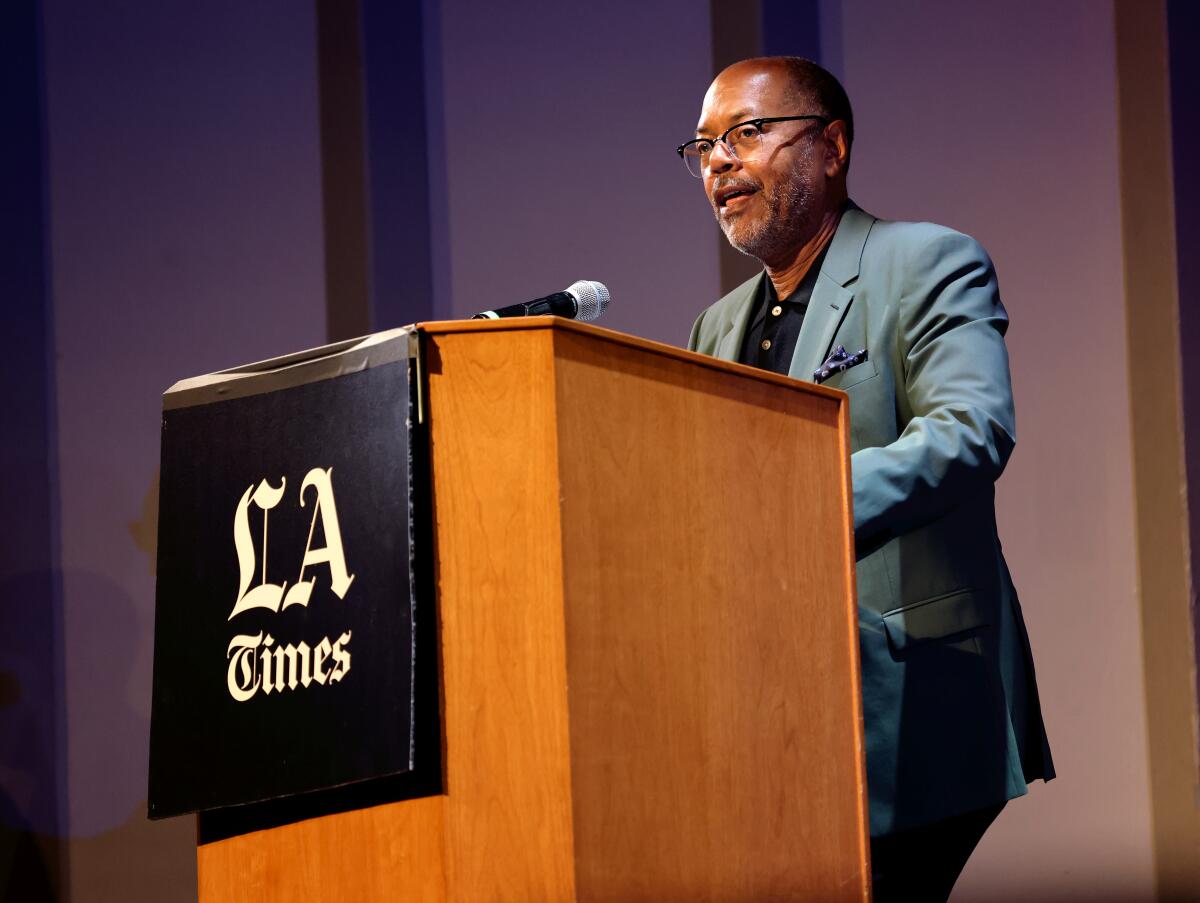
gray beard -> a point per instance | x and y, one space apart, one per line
791 217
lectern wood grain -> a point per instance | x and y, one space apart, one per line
391 852
504 673
648 641
708 690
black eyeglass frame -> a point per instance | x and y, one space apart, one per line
757 123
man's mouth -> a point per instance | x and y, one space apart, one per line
733 197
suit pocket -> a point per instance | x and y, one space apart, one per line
852 377
851 334
933 619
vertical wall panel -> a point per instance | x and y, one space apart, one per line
342 93
1183 24
737 34
398 176
33 792
1156 126
792 28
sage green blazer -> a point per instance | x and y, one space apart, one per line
950 703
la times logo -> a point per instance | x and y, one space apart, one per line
257 661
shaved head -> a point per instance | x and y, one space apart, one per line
809 83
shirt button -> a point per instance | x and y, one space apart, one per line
766 344
776 310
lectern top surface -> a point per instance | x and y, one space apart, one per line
630 341
353 355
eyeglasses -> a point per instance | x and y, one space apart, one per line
742 141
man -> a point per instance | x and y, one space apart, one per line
953 725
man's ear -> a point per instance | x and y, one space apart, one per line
837 149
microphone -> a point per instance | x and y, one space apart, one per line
583 300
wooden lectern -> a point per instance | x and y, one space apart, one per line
648 641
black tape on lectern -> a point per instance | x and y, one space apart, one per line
283 638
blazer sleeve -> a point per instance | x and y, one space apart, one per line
694 339
954 395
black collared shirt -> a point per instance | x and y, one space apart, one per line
774 326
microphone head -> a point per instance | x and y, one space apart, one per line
591 299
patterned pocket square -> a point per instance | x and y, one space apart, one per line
838 362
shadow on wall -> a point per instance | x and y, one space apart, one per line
29 862
43 839
32 747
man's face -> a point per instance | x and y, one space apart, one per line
770 203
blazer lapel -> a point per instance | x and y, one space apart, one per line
730 344
831 298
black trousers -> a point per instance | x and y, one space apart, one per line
922 864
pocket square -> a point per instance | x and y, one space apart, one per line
838 362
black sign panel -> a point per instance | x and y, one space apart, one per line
283 647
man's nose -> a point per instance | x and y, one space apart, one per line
722 159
